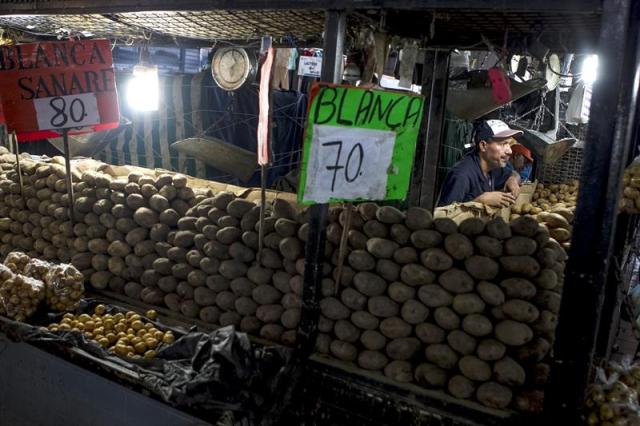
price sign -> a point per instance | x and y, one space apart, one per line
48 86
60 112
359 144
309 66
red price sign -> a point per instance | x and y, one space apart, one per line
49 86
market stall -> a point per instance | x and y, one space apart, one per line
436 318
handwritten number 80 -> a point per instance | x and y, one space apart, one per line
76 113
356 152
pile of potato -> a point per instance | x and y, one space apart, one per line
613 399
471 309
547 196
124 334
20 296
209 267
468 308
64 284
630 202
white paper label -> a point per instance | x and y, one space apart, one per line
348 163
61 112
309 66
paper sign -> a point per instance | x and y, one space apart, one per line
310 66
38 78
67 111
340 164
359 144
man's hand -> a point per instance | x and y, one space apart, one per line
496 199
513 185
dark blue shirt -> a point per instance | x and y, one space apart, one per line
465 181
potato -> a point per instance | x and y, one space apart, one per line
296 284
548 300
458 246
474 368
403 348
547 279
291 248
513 333
436 259
520 310
271 332
406 255
333 309
469 303
232 269
343 350
520 246
325 325
286 227
145 217
381 248
477 325
509 372
369 284
400 292
494 395
461 342
488 246
471 227
367 210
382 306
389 215
525 226
184 239
416 275
445 225
260 275
481 267
430 375
400 371
131 289
426 238
239 207
546 323
177 254
387 269
553 220
434 296
395 327
360 260
250 324
446 318
461 387
357 240
498 228
373 229
373 340
518 288
430 333
414 312
152 296
456 281
559 234
418 218
266 294
269 313
523 265
322 343
334 233
353 299
364 320
346 331
491 350
242 286
530 401
228 235
372 360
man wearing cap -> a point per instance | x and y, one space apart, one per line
481 175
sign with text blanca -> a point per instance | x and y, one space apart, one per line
49 86
358 145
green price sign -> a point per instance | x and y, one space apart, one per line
359 144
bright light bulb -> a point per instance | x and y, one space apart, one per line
590 69
143 88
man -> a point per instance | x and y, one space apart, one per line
521 161
481 175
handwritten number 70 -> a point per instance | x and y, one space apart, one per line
356 152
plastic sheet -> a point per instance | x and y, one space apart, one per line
220 371
20 296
